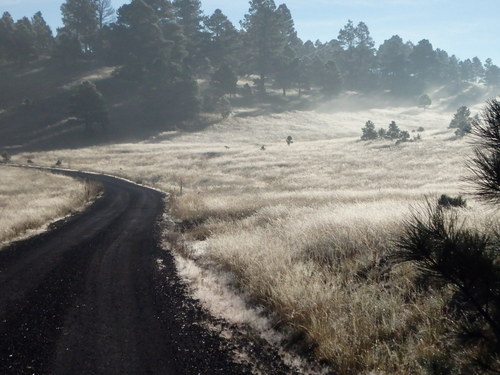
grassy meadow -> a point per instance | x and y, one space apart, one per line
29 199
305 229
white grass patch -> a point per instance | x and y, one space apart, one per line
30 200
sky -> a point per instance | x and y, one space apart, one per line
464 28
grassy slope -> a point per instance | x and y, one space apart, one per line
29 199
306 228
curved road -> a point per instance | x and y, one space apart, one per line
88 297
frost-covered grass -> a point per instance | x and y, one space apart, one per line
29 199
305 229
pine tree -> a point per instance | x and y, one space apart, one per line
369 131
44 40
24 41
154 61
224 80
80 19
462 121
66 48
264 39
7 30
189 15
88 106
223 42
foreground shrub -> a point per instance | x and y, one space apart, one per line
447 254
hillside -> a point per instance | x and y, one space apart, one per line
34 106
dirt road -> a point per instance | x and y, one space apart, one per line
88 297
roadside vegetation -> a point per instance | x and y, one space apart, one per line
30 199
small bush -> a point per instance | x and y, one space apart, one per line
447 201
5 157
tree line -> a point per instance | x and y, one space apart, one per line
164 46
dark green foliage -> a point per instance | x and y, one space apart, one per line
369 131
80 20
393 132
424 101
485 165
421 129
448 253
462 121
224 41
447 201
491 73
66 48
264 38
224 80
331 80
5 157
44 40
88 106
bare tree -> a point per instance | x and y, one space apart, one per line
105 12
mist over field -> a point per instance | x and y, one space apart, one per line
336 200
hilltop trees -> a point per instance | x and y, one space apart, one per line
223 39
264 38
155 51
80 20
25 39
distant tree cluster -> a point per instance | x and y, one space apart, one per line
164 48
266 44
393 132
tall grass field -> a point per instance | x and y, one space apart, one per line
306 229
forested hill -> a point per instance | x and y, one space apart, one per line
169 61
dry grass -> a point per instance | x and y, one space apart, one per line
305 229
29 199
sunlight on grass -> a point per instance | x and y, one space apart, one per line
306 229
29 199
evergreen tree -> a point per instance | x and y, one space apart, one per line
189 15
88 106
491 73
24 41
392 57
7 31
462 121
44 40
264 39
223 39
224 81
331 80
393 132
287 27
154 60
423 63
66 48
80 19
287 73
369 131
